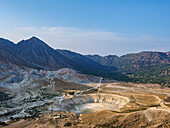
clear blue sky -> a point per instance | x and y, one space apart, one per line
115 24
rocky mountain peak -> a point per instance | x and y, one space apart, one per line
32 41
5 42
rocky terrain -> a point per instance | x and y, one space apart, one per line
28 92
112 105
66 98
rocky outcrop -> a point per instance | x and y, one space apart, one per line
70 75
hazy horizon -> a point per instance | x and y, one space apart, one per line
82 53
90 27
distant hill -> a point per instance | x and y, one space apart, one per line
146 66
133 62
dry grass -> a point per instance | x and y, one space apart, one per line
109 119
61 85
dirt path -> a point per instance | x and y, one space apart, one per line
161 102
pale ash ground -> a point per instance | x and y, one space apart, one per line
147 106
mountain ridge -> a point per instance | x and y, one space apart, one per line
35 53
146 66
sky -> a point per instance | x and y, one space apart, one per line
89 26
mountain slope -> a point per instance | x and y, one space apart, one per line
135 60
35 53
8 54
146 66
88 66
83 62
38 53
141 67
